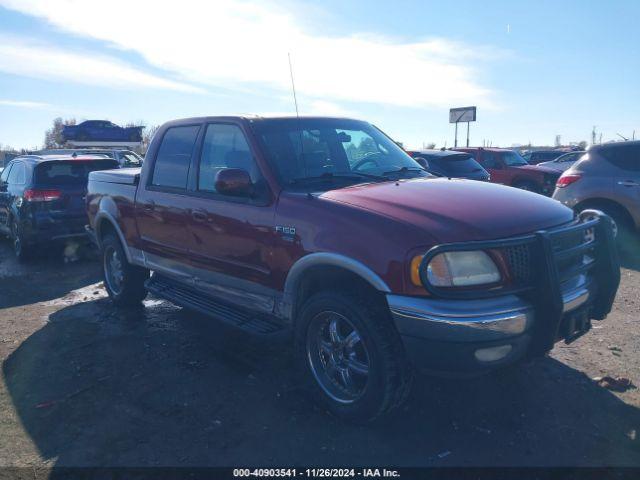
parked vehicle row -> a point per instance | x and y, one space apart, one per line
325 230
126 158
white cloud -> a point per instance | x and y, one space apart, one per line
23 104
30 59
244 45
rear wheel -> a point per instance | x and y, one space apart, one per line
21 249
350 355
124 282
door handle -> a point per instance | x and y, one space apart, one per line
150 206
199 215
628 183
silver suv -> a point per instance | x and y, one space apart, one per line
606 178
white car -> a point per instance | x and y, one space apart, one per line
563 162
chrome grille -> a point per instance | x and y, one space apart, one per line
519 261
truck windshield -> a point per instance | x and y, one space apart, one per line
512 159
332 150
72 172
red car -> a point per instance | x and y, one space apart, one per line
325 232
507 167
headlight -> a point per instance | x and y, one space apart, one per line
459 269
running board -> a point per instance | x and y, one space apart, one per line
183 296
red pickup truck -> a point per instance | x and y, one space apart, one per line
507 167
325 230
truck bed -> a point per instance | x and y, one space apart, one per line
125 176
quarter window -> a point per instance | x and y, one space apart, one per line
5 173
174 157
225 146
626 157
17 175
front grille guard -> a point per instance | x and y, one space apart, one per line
544 290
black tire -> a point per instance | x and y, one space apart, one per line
388 379
528 186
22 250
124 282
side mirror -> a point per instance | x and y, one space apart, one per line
3 187
423 162
234 182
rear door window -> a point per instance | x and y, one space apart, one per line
171 168
5 173
489 160
626 157
73 172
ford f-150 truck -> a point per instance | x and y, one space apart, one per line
325 230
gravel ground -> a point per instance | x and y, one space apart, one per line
85 384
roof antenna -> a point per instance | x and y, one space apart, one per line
295 101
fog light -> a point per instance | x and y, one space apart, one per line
492 354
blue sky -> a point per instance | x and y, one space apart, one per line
534 68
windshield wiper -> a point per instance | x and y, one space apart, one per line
328 176
402 170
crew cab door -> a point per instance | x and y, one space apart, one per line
162 203
231 235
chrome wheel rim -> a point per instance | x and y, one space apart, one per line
113 270
338 357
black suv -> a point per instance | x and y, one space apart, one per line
42 198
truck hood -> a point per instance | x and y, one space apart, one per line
539 168
453 210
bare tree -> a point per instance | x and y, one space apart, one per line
147 136
53 136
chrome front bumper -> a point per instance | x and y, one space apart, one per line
480 320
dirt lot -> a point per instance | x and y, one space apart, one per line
84 384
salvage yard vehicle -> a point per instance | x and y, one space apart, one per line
607 178
101 130
324 229
42 199
450 163
507 167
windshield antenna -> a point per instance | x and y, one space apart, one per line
295 102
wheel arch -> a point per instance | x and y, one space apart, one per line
105 222
604 204
319 271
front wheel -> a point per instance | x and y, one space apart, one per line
124 282
351 356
